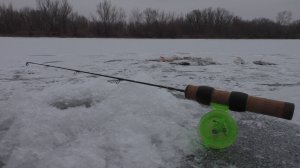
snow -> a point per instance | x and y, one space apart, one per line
124 125
55 118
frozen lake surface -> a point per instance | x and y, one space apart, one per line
55 118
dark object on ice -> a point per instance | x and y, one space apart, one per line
186 60
68 103
117 60
237 101
182 63
263 63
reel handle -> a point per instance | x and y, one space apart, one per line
240 102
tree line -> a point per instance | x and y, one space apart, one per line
57 18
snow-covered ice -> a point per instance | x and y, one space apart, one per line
55 118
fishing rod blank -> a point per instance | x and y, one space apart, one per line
236 101
107 76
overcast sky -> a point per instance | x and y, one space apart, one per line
247 9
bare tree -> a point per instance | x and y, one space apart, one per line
48 10
194 21
136 20
284 17
109 15
151 15
65 11
56 18
136 16
55 14
166 18
78 25
223 16
10 21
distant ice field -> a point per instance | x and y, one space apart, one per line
56 118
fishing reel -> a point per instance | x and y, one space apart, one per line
217 129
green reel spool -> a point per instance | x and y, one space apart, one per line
217 129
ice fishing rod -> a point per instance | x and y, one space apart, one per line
236 101
107 76
217 129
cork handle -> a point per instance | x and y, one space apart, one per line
238 101
270 107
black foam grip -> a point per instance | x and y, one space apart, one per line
238 101
288 111
204 94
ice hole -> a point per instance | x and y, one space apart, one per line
69 103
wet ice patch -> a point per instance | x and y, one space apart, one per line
67 102
75 95
239 61
260 62
188 60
